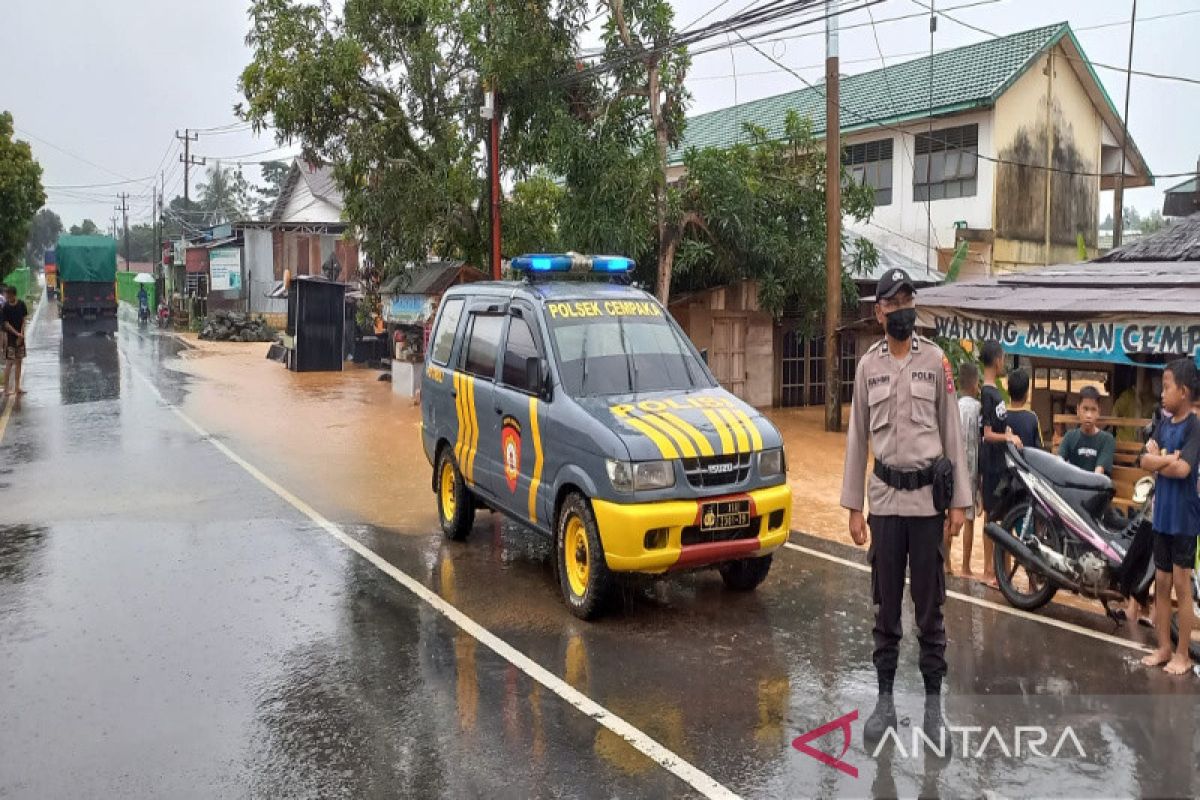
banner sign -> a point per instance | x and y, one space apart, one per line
1111 340
408 309
225 269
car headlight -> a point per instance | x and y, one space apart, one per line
771 463
641 475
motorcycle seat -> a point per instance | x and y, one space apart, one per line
1060 473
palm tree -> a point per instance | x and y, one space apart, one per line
224 195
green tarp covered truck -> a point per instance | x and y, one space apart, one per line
87 274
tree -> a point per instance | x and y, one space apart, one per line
224 196
43 233
85 228
21 194
757 210
389 94
1153 222
274 174
532 217
184 218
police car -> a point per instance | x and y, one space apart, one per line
583 411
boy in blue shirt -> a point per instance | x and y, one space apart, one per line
1173 453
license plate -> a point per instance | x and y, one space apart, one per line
724 515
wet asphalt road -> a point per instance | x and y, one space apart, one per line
170 626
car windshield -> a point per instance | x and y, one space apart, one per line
608 348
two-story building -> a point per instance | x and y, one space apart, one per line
957 147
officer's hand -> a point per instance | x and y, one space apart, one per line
955 520
1152 447
858 528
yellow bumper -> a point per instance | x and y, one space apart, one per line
648 537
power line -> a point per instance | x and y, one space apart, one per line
97 185
75 156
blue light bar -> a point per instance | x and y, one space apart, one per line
571 262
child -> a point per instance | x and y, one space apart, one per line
1021 421
968 412
1088 447
994 417
1173 453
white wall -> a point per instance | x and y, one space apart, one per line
302 206
902 225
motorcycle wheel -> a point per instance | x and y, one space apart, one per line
1021 588
1194 647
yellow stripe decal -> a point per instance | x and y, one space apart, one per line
702 444
722 431
681 440
664 444
473 436
536 480
458 413
755 436
743 444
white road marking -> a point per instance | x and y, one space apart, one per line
672 762
988 604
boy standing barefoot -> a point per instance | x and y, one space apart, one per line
1173 453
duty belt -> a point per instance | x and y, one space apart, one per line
905 480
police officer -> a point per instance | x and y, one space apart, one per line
905 407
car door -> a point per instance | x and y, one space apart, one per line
517 408
477 446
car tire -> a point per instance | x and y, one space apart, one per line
745 574
456 506
583 575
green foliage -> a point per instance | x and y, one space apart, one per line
21 193
1080 247
224 196
531 217
43 233
1153 222
274 175
389 93
757 210
85 228
960 255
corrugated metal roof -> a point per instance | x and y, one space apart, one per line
963 78
1179 241
1187 187
434 277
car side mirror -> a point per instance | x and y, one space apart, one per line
704 354
537 375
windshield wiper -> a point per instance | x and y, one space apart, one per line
630 365
583 381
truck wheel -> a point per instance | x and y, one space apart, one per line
745 574
583 574
456 506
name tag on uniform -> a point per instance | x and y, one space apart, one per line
924 376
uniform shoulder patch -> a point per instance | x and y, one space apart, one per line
949 370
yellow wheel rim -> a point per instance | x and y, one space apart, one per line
575 556
447 490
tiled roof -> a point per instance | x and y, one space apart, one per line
963 78
1179 241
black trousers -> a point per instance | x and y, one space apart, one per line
916 543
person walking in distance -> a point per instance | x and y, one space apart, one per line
968 415
905 411
12 319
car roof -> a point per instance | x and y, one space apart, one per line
548 291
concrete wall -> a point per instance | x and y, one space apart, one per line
1045 117
902 225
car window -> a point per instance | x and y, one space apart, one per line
483 344
520 346
618 353
447 326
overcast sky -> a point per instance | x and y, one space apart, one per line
99 89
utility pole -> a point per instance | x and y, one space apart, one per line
833 224
124 209
492 111
188 160
1119 191
113 225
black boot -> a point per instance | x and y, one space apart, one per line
884 715
936 730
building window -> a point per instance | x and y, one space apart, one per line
946 163
870 163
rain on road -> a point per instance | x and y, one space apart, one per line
173 625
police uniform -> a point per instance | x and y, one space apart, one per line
907 411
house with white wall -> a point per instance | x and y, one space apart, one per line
1004 144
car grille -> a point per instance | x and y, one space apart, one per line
708 471
693 535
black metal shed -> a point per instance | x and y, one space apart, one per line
315 324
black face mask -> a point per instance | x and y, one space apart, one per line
900 323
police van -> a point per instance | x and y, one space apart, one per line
582 410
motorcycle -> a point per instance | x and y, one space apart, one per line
143 316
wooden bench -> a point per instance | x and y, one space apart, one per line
1124 475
